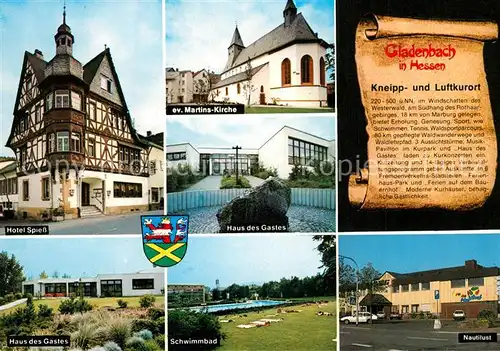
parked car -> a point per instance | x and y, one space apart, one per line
381 315
363 317
395 315
458 315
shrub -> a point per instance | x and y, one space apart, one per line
144 334
119 330
147 301
8 298
45 311
487 315
2 301
152 345
155 313
18 296
73 305
230 183
160 340
122 304
86 335
111 346
185 324
135 343
148 324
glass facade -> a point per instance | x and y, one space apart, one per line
111 288
227 163
305 153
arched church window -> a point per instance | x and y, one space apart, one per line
286 72
306 70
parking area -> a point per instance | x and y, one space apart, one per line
408 335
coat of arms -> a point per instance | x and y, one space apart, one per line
165 239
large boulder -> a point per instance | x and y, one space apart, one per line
261 209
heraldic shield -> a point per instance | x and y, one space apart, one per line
165 239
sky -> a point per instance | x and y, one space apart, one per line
78 257
419 252
132 29
245 259
198 32
249 132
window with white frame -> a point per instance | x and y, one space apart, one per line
76 101
92 111
62 141
45 188
106 83
75 142
91 147
62 99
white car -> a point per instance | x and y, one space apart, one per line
363 317
381 315
458 315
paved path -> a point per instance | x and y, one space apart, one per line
12 304
213 183
114 224
408 336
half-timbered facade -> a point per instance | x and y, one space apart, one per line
76 147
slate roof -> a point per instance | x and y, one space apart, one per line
240 77
375 300
444 274
237 38
90 68
38 66
156 138
298 31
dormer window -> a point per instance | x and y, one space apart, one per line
106 83
62 99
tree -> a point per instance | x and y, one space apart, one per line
66 276
11 274
44 275
248 87
327 249
347 277
204 87
330 61
55 274
369 280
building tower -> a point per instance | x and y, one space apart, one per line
63 38
235 47
290 12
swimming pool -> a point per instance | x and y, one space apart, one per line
234 306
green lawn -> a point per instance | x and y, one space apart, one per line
268 109
298 331
97 302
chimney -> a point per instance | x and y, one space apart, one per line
148 133
39 54
471 264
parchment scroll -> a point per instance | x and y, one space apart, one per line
432 141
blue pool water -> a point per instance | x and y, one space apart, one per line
233 306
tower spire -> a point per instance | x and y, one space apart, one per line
64 12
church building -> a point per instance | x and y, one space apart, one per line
76 147
286 66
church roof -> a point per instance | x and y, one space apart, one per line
237 38
282 36
240 77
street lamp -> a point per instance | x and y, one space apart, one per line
236 161
357 286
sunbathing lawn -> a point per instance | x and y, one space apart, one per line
254 109
94 301
299 331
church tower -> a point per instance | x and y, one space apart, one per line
290 12
235 47
64 39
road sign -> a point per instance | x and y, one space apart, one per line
352 300
436 294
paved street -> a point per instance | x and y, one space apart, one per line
407 335
115 224
213 183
